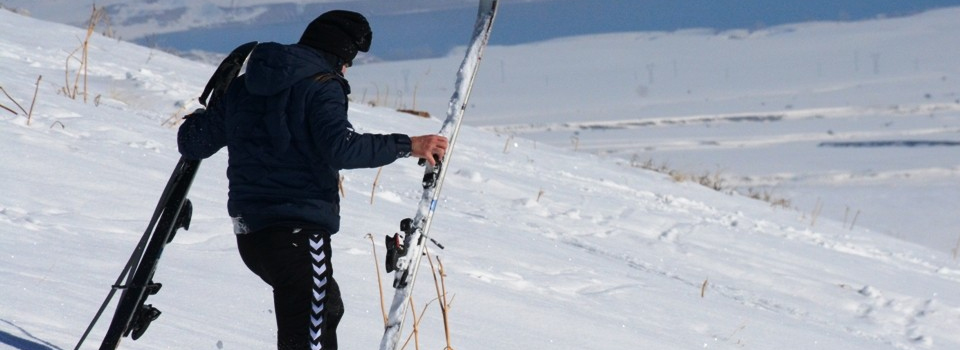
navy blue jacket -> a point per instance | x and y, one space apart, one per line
285 127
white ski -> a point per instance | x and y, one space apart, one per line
408 263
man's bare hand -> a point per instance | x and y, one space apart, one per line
429 147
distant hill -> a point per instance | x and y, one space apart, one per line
411 29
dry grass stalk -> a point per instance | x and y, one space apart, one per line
415 334
376 181
376 266
34 102
96 16
855 216
768 197
67 90
8 109
816 212
385 97
14 102
703 288
343 193
415 89
441 286
540 195
506 146
86 51
380 100
956 249
72 90
678 176
780 202
714 181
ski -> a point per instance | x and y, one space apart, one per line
173 212
404 258
132 317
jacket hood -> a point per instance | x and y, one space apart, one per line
274 67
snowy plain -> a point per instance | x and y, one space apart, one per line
547 247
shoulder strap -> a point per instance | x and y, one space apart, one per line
327 76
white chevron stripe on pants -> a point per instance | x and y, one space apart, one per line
317 243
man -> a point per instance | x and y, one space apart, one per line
285 127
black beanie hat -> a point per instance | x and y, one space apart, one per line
339 32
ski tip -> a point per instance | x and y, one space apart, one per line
487 6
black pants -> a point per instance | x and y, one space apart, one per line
296 263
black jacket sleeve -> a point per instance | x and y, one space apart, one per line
336 140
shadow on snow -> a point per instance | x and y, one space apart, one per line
29 342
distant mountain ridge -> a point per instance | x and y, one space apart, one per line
411 29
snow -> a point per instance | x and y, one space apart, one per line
547 247
759 108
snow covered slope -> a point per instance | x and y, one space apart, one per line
546 248
765 110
